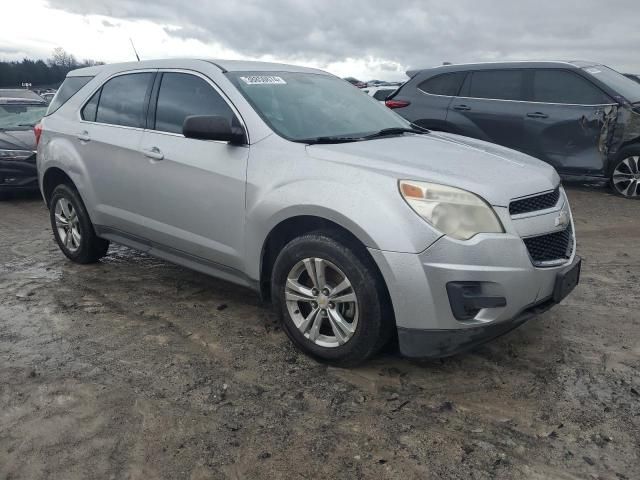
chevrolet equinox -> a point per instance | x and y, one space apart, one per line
359 226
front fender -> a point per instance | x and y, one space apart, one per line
373 211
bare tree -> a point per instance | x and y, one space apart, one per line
63 59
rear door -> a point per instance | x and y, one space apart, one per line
109 142
430 99
490 107
193 194
565 120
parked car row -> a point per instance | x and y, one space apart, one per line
582 118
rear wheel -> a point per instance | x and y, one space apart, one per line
625 175
72 227
330 299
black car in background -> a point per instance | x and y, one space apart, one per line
582 118
20 110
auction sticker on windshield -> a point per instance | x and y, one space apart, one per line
263 80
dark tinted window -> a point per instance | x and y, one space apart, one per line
497 84
383 94
91 108
561 86
447 84
182 95
123 100
68 89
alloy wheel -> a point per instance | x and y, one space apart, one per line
626 177
68 225
321 302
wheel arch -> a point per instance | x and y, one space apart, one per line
53 177
295 226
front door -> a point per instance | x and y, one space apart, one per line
193 193
565 121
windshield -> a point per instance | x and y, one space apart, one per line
616 81
20 116
306 106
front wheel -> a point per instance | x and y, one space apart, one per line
330 299
625 176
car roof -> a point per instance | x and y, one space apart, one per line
223 65
17 95
460 67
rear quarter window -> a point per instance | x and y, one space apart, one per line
68 89
447 84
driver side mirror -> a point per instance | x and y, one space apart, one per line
213 127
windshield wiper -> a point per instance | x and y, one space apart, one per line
396 131
313 141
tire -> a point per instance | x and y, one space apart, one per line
625 173
368 316
72 227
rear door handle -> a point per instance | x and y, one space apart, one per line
537 115
83 136
462 108
154 153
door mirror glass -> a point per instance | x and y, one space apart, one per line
212 127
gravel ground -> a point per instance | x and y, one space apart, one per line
135 368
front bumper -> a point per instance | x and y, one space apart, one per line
508 287
18 174
444 343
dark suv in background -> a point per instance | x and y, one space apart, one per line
20 111
582 118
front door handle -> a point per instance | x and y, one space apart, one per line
537 115
462 108
153 153
83 136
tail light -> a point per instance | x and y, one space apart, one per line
391 103
37 129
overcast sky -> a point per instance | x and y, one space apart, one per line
367 39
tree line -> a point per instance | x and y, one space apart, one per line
50 72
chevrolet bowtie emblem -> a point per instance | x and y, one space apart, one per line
562 220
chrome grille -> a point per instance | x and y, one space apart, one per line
552 247
532 204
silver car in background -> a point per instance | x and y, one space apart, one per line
357 225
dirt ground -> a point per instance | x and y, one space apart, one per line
137 369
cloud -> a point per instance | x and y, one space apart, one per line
394 35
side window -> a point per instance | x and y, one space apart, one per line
447 84
90 109
497 84
181 95
124 100
562 86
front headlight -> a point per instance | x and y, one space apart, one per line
15 154
455 212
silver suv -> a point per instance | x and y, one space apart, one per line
357 225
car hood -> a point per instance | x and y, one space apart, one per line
17 140
495 173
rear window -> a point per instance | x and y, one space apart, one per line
497 85
68 89
447 84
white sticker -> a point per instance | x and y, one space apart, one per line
593 71
263 80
